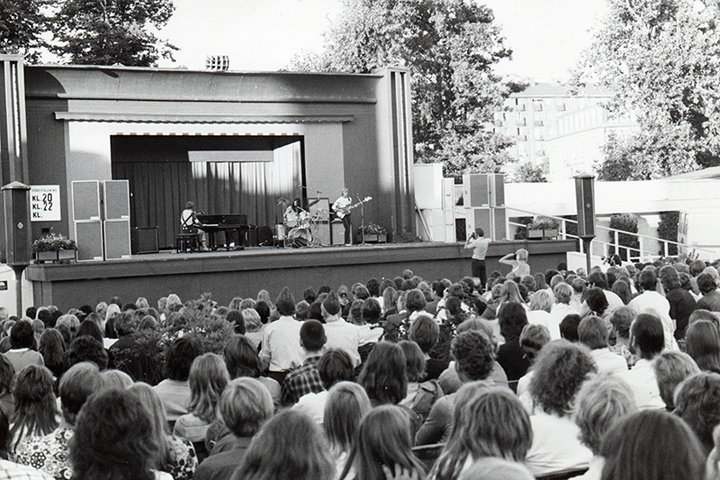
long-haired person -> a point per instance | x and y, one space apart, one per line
36 412
492 423
52 348
289 445
242 360
652 445
384 375
208 378
383 442
346 405
114 439
702 343
512 318
696 402
176 456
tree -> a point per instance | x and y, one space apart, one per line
450 47
527 172
21 27
105 32
662 60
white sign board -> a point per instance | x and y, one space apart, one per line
45 203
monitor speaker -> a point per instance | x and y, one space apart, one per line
337 232
146 240
89 239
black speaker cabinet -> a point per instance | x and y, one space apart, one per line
585 197
146 240
16 199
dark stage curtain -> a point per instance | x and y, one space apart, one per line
160 189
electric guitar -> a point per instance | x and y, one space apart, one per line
342 212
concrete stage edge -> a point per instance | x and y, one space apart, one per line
243 273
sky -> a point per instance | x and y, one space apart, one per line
547 36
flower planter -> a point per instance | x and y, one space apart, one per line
372 238
550 233
535 234
56 256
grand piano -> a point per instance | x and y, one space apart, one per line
233 224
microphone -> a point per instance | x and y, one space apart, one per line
299 187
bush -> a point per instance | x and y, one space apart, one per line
629 223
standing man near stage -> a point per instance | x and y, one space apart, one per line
479 245
340 207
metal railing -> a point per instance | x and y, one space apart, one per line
641 254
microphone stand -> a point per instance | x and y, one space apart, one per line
362 222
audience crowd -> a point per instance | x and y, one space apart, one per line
607 375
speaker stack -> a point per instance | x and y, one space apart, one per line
484 200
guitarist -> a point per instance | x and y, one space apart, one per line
342 210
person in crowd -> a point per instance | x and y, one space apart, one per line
384 375
289 445
334 366
593 333
347 403
383 443
242 360
253 327
49 453
306 378
696 402
369 331
651 445
22 352
86 349
421 396
114 439
425 332
340 334
124 352
621 288
519 263
11 470
621 319
52 348
601 403
473 354
90 328
671 369
652 302
7 400
561 308
113 378
492 423
510 356
598 279
174 391
35 406
710 295
569 327
281 349
702 343
532 339
245 406
682 303
648 340
541 305
208 378
479 245
595 303
559 371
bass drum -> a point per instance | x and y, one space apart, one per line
299 237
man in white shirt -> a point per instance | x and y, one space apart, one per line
479 245
340 334
652 302
646 335
340 207
281 349
594 334
561 308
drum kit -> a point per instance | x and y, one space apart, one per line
298 226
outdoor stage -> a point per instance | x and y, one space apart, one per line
243 273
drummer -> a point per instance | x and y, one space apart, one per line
294 214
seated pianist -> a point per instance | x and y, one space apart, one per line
189 223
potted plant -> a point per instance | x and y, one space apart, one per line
54 247
373 233
542 228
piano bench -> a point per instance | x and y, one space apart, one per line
187 242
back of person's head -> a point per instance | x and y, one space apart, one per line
696 267
76 385
703 314
669 278
235 319
598 279
647 335
697 401
263 309
490 468
35 405
208 378
384 375
560 369
415 300
22 335
113 438
706 283
335 366
593 333
529 282
241 357
542 300
285 302
649 445
370 311
91 329
114 378
373 287
86 349
312 335
596 300
621 320
251 320
532 339
425 332
414 359
309 295
179 357
563 292
245 405
383 440
671 369
473 354
601 402
702 343
289 445
647 279
512 319
331 304
569 327
347 403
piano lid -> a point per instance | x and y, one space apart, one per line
223 218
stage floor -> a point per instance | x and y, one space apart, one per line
244 272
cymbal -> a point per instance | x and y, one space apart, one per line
281 200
